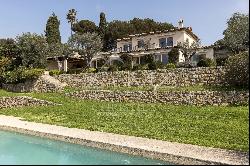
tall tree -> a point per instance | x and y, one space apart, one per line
52 31
102 25
71 17
236 36
85 26
86 44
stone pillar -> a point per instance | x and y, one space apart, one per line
65 65
59 63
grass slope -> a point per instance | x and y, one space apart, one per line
214 126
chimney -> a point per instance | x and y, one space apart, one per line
180 23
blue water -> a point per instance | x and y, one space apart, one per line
18 148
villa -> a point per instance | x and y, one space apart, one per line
158 44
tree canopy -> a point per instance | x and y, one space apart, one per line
236 36
85 26
86 44
33 48
118 29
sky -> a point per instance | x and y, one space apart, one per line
206 17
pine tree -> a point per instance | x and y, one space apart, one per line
52 32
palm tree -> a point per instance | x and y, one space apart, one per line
71 17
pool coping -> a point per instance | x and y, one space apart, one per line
172 152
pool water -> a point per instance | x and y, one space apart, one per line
18 148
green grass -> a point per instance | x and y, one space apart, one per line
214 126
161 88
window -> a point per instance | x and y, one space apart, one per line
157 58
140 44
170 41
125 47
164 59
162 42
130 47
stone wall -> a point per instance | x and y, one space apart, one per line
7 102
45 83
177 98
170 77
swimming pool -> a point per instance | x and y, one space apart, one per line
18 148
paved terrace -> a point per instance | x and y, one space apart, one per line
172 152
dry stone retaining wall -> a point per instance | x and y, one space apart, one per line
172 77
45 83
177 98
7 102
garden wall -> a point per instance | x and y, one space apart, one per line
45 83
177 98
171 77
7 102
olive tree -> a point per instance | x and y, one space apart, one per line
86 44
236 36
33 50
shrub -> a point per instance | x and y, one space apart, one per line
221 61
148 58
173 55
112 68
75 71
21 74
55 72
237 73
170 66
206 62
152 66
126 58
126 66
90 70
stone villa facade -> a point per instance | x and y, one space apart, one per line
158 44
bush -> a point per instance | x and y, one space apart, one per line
55 72
126 66
173 55
90 70
75 71
221 61
112 68
206 62
170 66
152 66
237 73
21 75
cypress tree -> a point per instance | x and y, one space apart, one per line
52 32
102 25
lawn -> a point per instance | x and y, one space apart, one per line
214 126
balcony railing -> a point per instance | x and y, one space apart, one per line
143 48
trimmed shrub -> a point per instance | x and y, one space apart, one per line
237 73
21 75
55 72
173 56
170 66
206 62
75 71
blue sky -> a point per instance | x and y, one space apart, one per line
206 17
